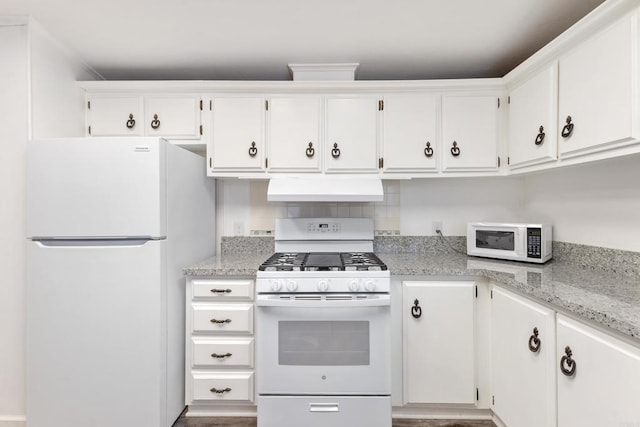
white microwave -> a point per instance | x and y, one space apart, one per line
512 241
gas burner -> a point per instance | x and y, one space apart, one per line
290 261
323 261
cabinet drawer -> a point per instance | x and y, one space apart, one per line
222 386
222 317
223 289
218 352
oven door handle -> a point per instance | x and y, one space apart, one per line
381 301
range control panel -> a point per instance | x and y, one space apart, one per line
323 227
534 243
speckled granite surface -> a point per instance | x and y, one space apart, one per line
579 279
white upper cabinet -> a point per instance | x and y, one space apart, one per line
532 119
169 116
439 342
352 134
294 134
523 361
469 133
115 116
598 377
410 133
237 141
598 98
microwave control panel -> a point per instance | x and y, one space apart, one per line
534 243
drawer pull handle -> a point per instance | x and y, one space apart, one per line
310 150
428 151
220 390
534 341
455 150
220 321
570 370
567 129
131 122
416 311
221 291
253 150
335 153
540 137
221 356
155 123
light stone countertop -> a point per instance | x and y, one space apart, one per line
611 300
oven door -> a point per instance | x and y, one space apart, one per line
326 346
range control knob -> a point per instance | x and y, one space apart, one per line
370 285
323 286
292 285
354 286
276 285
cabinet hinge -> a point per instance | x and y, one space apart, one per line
508 160
266 163
200 129
381 163
493 400
210 161
89 130
381 105
509 99
477 394
266 104
210 104
89 105
498 161
498 102
201 105
491 293
476 291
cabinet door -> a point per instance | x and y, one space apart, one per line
115 116
352 131
439 342
294 134
469 133
409 141
523 367
174 117
605 386
532 120
237 143
596 90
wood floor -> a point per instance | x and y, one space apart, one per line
251 422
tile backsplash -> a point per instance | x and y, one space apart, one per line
386 214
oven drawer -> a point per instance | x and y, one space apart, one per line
222 289
222 317
219 352
220 386
323 411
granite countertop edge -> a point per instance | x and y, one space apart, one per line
604 298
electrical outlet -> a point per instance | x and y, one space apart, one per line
238 228
436 227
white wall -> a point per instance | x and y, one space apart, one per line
37 97
594 204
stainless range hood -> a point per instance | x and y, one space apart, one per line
325 189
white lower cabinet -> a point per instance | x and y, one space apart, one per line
439 344
523 361
598 378
219 354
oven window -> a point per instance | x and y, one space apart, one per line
500 240
323 343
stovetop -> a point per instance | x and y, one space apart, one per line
323 261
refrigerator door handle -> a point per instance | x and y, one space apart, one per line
115 242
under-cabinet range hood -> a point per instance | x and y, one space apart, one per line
325 189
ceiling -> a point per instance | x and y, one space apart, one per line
256 39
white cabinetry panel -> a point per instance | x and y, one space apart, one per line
439 342
116 115
176 117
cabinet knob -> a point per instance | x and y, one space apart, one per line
540 137
335 153
428 151
253 150
534 341
310 150
220 390
131 122
416 310
455 150
567 129
155 123
568 361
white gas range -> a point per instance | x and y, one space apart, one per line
323 327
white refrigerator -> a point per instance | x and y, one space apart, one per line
111 222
